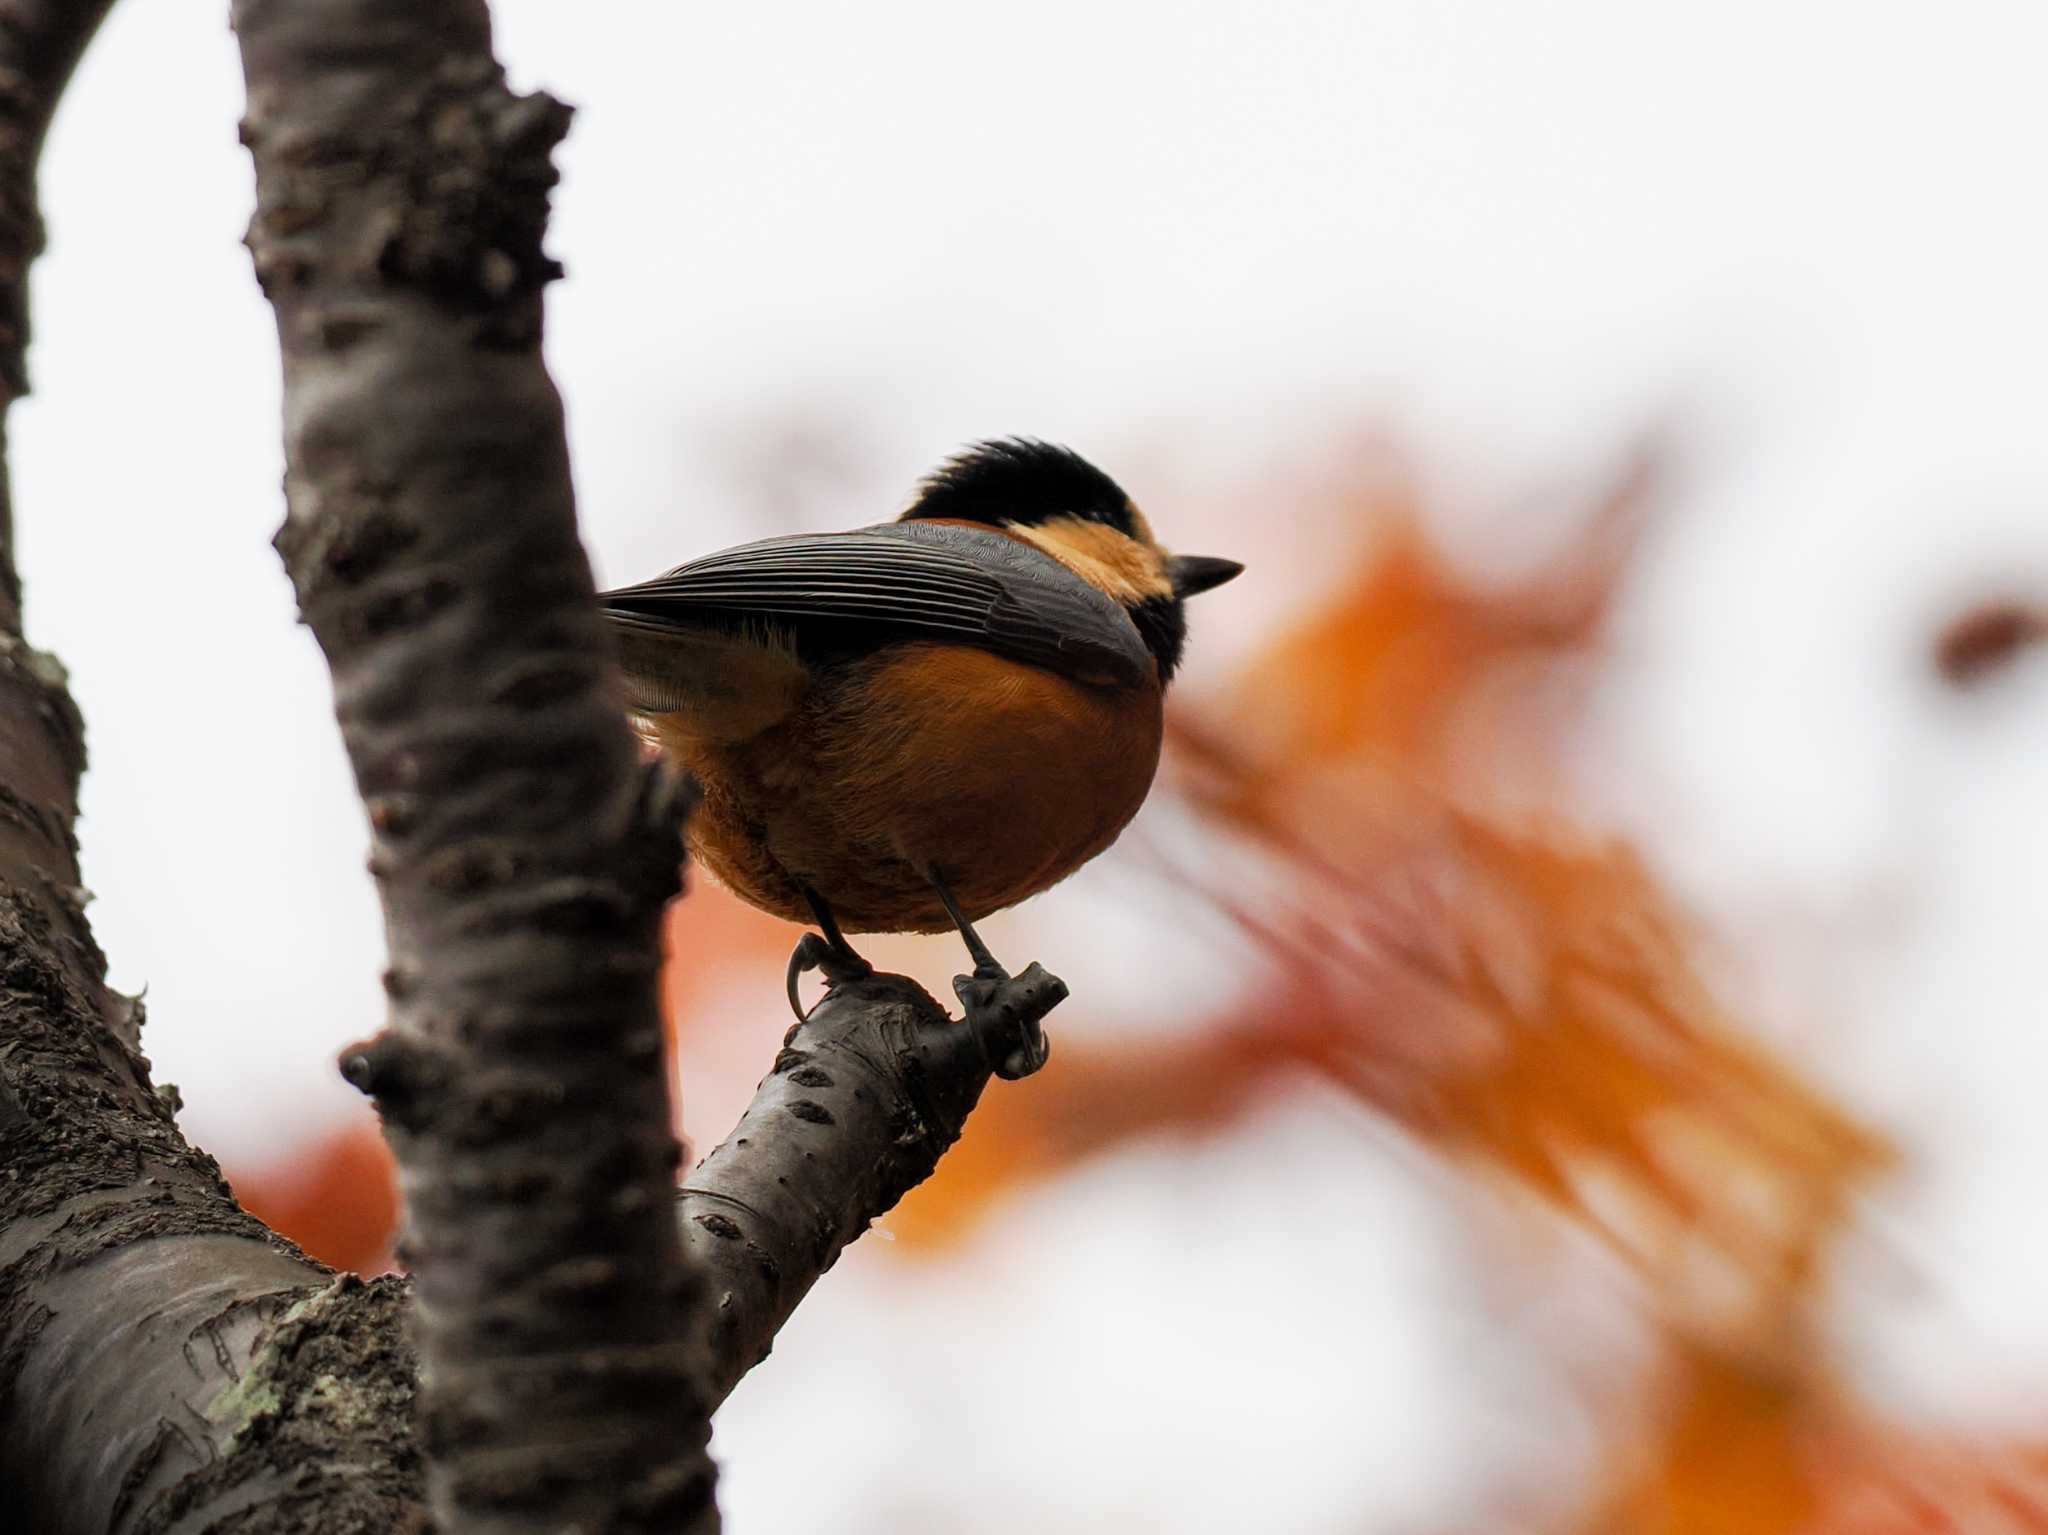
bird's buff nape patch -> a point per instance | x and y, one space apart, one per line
1130 571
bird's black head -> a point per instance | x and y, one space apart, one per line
1022 483
1054 498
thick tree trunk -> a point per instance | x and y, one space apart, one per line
151 1365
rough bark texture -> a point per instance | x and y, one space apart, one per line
522 853
168 1364
153 1367
866 1095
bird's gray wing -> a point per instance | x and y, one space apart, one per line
835 594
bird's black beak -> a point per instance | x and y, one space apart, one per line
1191 573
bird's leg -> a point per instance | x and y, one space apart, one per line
986 967
1005 1012
832 954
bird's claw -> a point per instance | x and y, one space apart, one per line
838 966
1007 1013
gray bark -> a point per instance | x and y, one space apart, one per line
166 1363
151 1369
864 1098
523 854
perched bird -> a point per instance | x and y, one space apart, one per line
908 726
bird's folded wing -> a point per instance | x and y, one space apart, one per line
838 593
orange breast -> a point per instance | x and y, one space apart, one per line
1005 777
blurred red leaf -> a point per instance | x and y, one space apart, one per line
1987 639
338 1199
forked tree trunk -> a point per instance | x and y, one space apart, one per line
166 1363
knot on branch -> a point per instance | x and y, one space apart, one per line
347 550
444 189
479 181
400 1075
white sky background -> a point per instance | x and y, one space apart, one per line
1190 238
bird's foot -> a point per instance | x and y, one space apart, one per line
838 965
1007 1014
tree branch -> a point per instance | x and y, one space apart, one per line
152 1358
166 1362
865 1097
522 854
40 43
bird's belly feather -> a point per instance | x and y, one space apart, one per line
1005 777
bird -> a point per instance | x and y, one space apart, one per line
907 726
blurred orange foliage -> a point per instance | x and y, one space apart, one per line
1520 993
1770 1447
1507 985
338 1199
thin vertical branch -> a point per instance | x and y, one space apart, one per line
522 853
40 44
